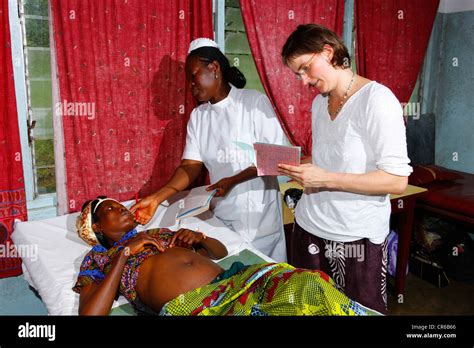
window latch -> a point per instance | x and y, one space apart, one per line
30 125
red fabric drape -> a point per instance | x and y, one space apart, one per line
12 187
268 24
125 61
392 37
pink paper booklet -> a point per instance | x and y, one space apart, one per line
270 155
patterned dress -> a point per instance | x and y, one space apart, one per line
97 262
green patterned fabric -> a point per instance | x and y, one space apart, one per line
268 289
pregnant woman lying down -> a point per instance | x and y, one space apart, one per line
171 273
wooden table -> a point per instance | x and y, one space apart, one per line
404 207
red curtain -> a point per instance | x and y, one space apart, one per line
392 37
268 23
12 187
121 73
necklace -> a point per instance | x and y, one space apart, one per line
343 100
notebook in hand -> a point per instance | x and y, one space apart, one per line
270 155
195 203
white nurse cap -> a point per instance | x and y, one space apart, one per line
202 42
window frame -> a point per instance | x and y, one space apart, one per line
39 206
218 7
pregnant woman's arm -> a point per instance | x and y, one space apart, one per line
97 299
205 246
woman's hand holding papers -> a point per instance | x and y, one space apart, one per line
377 182
307 175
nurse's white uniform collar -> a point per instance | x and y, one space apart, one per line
224 102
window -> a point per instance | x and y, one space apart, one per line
29 25
237 48
35 24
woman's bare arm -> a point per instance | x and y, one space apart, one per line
183 176
373 183
225 185
206 246
215 249
97 299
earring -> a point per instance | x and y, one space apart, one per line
216 76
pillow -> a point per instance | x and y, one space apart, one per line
423 175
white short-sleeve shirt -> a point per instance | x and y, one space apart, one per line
252 208
368 134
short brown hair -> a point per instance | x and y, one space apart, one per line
311 38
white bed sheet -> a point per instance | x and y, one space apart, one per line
60 251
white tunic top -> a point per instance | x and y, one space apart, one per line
252 208
368 134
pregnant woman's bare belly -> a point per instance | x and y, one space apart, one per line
175 271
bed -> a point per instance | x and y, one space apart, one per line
450 193
53 266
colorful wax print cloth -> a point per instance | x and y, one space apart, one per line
267 289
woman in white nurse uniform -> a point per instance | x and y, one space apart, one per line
227 114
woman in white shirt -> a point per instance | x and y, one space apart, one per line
247 204
359 157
